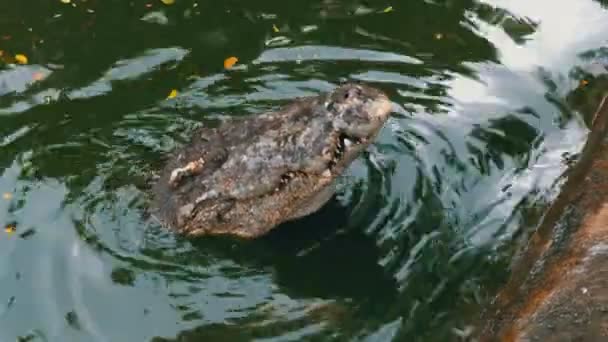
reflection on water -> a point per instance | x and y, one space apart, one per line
423 225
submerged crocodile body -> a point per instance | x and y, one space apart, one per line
251 174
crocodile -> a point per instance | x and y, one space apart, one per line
253 173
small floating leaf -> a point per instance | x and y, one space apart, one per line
10 229
172 94
275 28
438 36
21 59
388 9
168 2
7 195
66 1
230 62
584 83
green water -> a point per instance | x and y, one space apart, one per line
420 233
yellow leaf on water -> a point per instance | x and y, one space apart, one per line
230 61
9 229
584 83
438 36
21 59
275 28
65 1
388 9
172 94
168 2
7 195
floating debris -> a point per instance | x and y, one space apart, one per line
172 94
20 58
10 228
230 62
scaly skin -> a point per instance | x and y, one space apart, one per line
251 174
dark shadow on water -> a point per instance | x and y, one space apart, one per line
316 256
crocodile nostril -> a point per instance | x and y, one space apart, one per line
352 92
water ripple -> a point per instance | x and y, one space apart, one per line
418 233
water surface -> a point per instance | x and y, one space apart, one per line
424 224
